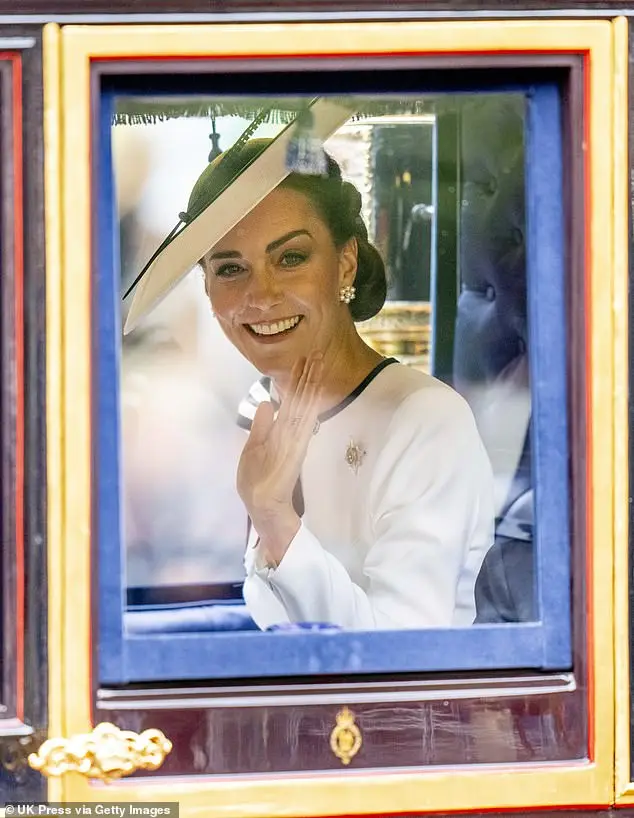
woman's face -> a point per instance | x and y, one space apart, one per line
274 282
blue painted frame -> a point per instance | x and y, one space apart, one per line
545 644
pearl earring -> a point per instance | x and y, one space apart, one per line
347 294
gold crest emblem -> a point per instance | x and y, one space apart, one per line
345 739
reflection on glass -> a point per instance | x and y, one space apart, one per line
396 508
390 160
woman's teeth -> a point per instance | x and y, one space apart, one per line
275 327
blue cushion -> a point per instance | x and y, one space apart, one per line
195 618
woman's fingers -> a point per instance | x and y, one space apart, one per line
305 402
300 397
262 423
304 408
297 371
273 457
310 376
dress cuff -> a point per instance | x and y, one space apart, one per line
298 563
263 569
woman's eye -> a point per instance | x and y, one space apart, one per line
292 258
228 270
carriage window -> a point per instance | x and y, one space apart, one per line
339 446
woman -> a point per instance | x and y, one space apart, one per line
369 491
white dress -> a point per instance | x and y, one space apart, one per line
399 514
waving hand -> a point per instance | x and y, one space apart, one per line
272 458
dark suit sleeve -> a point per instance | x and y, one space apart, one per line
504 590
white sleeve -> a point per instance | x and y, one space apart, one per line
431 506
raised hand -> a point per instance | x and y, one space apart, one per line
272 458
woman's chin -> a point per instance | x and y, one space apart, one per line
269 359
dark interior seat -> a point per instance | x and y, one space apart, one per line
491 367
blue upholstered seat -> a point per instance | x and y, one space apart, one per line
491 341
188 618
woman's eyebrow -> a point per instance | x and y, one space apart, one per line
225 254
272 246
278 242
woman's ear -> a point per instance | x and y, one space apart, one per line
348 260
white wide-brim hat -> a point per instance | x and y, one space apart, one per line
238 192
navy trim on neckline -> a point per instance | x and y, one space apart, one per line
357 390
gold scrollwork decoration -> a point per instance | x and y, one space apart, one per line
345 739
106 754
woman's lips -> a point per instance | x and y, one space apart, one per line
271 331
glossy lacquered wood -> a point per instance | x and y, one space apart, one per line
22 376
270 730
11 391
254 10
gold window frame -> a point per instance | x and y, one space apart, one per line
68 52
624 783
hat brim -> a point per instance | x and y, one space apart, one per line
254 183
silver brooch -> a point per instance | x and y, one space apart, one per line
354 455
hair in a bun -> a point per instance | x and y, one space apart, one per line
339 204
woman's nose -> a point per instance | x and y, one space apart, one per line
264 290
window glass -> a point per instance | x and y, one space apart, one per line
410 517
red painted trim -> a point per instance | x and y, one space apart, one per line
18 325
334 54
18 237
589 420
89 579
570 812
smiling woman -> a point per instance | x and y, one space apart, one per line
368 489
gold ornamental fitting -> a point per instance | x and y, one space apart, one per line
345 739
107 753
